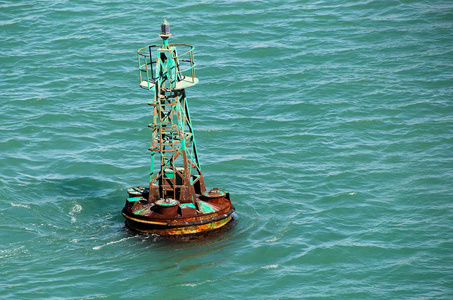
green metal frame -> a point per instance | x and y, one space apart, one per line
175 168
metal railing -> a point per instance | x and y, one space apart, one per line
147 65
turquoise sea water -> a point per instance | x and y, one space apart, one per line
330 123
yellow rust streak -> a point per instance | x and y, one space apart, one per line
144 221
189 229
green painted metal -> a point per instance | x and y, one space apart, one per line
190 205
134 199
215 193
167 202
140 211
175 170
205 207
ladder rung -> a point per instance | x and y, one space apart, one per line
151 125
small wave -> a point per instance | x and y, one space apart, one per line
199 283
19 205
7 253
112 242
75 210
271 266
274 239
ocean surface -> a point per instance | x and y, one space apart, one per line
329 122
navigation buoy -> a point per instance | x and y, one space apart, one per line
176 201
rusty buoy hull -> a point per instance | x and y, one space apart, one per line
209 212
163 230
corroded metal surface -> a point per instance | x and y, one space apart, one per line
176 201
172 217
191 229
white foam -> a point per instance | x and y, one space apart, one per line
270 267
112 242
19 205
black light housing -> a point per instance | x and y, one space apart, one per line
165 28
